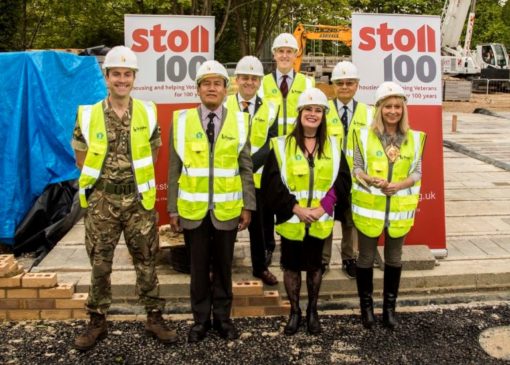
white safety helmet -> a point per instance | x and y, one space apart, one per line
344 70
387 89
211 68
313 96
120 56
249 65
285 40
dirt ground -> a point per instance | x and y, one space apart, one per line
494 102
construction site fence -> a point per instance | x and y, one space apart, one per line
490 86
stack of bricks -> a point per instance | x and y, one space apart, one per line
32 296
250 300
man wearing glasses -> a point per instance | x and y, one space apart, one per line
345 114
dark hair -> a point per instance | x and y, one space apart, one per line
299 134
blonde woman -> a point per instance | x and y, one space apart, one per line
386 188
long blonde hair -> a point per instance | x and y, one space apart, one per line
378 124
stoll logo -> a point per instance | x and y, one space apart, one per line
170 65
409 51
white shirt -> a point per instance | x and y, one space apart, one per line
350 110
279 78
251 107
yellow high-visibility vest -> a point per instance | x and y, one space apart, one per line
369 207
143 123
260 124
199 165
363 116
288 106
309 185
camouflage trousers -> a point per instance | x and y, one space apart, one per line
106 218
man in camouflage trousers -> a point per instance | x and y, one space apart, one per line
116 142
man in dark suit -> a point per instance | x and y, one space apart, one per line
210 196
264 126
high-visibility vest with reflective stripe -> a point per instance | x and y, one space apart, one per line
288 106
259 128
192 147
369 208
362 117
308 188
143 123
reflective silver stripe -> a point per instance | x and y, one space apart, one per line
303 194
241 128
417 145
151 115
290 120
368 213
324 218
370 115
204 172
82 190
363 132
349 153
142 188
204 197
308 82
280 143
376 214
90 171
254 149
142 162
414 190
393 216
260 92
86 112
272 111
336 158
259 171
181 133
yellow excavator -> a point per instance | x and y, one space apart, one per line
302 33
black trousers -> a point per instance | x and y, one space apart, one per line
211 251
260 240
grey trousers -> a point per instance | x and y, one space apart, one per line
368 246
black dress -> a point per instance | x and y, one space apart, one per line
307 254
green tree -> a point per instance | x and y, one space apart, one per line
10 17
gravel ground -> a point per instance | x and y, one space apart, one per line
440 336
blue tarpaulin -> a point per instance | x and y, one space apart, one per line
39 96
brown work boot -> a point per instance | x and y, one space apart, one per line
156 327
96 330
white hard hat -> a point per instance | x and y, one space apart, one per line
249 65
313 96
344 70
120 56
211 68
387 89
285 40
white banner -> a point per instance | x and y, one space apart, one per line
401 48
170 48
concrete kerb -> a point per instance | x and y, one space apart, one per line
468 152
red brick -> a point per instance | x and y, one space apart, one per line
23 314
78 301
39 280
12 282
9 304
247 311
248 287
61 291
38 303
80 314
7 258
239 301
8 268
270 297
22 293
56 314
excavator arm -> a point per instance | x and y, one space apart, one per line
340 33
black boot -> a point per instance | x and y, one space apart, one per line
293 323
391 284
364 281
292 281
313 284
